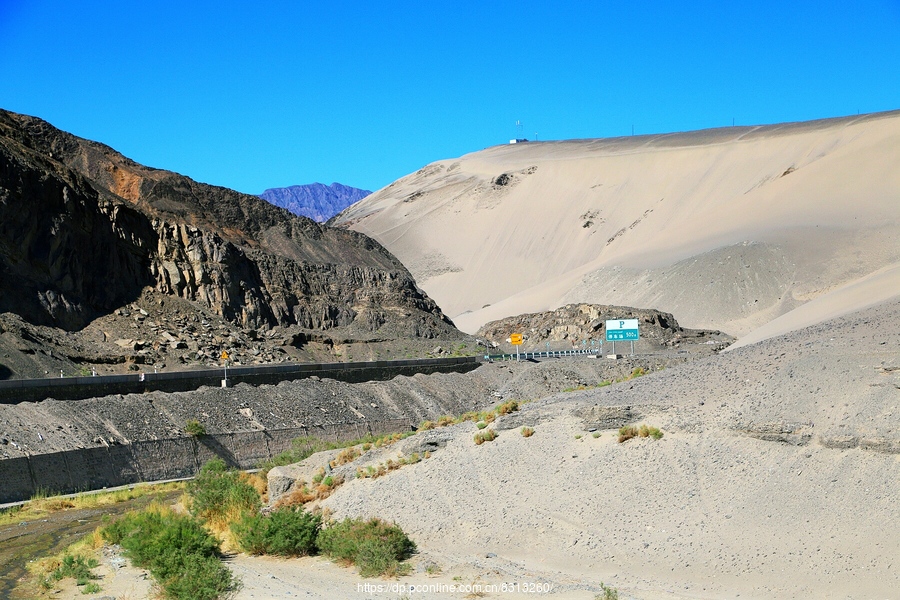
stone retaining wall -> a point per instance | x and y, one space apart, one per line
153 460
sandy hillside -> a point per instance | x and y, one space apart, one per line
727 228
777 477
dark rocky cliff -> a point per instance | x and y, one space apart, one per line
84 229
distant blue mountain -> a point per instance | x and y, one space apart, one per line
317 201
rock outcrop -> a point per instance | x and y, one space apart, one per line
83 230
575 323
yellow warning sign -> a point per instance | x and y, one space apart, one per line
224 355
515 339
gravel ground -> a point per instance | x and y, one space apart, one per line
777 477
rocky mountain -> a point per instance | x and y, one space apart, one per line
84 230
317 201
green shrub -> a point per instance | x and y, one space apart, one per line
375 547
527 431
609 593
90 588
76 566
284 532
218 492
194 429
180 554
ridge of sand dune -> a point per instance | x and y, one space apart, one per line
779 214
867 291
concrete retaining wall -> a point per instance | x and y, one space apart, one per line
78 388
153 460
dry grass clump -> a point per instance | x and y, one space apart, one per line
507 407
374 472
487 435
321 487
631 431
527 431
304 447
482 418
345 456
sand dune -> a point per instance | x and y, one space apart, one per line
727 228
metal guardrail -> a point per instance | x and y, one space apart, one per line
543 354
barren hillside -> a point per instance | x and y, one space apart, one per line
776 477
726 228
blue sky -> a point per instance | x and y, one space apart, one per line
259 95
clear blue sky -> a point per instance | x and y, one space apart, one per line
258 95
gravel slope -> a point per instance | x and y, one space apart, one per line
777 477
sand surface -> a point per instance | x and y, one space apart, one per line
728 229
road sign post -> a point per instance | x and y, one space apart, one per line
623 330
224 357
516 340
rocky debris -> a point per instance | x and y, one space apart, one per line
283 480
572 324
307 403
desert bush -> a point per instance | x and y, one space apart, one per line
375 547
283 532
180 554
301 494
527 431
481 424
76 566
631 431
218 493
507 407
345 456
488 435
91 588
627 432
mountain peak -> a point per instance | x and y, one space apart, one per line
317 201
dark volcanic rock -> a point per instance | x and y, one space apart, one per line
84 229
317 201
